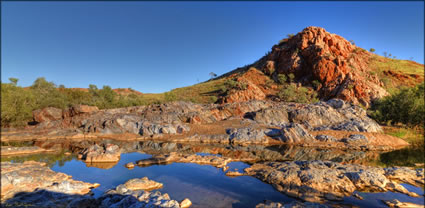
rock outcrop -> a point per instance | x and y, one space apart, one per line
340 67
316 181
108 153
29 176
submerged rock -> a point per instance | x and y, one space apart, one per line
294 204
397 204
219 162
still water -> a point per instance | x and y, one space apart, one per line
208 186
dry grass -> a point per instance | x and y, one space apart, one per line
414 136
408 73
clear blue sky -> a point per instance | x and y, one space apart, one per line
158 46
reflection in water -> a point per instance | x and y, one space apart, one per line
205 185
403 157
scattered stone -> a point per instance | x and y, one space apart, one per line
185 203
294 204
129 165
234 173
397 204
358 196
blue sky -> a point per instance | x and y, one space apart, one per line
157 46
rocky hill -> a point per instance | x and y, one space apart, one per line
328 64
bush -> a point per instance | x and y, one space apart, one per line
17 103
290 93
232 84
282 78
406 106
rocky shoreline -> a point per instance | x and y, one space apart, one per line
334 123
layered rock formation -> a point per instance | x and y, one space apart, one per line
340 67
29 176
316 181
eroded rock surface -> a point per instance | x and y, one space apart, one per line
316 181
294 204
29 176
142 184
107 153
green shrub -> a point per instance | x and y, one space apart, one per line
291 77
232 84
290 93
406 106
316 84
282 78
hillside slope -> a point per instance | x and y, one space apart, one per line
320 61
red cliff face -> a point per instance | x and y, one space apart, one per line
340 67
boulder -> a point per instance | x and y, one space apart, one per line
296 133
142 184
246 135
47 114
106 153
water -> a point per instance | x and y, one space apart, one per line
204 185
208 186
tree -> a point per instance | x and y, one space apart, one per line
213 75
290 35
372 50
385 54
352 42
14 81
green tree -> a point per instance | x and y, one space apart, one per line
406 106
14 81
372 50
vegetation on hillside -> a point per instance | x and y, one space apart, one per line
407 106
290 92
17 103
395 73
